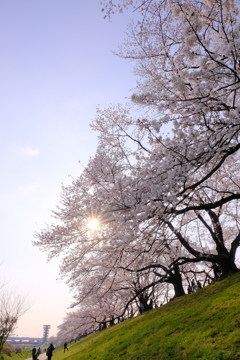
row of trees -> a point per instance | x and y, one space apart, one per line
164 184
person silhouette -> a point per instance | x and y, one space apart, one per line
34 350
49 351
65 346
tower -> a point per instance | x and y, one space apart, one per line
45 332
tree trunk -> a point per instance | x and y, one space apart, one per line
228 266
175 279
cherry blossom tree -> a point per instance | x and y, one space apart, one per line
164 185
150 196
186 55
102 309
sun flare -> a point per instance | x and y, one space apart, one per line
93 224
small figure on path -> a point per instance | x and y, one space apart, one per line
38 351
65 346
49 351
34 350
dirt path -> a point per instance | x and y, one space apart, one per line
40 357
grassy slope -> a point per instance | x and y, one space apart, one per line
203 325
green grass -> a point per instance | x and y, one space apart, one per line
204 325
25 354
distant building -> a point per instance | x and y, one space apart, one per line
45 332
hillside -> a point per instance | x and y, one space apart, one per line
204 325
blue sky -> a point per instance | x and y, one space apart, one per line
56 66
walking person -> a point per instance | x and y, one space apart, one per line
65 346
49 351
34 350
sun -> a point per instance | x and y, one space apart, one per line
93 224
